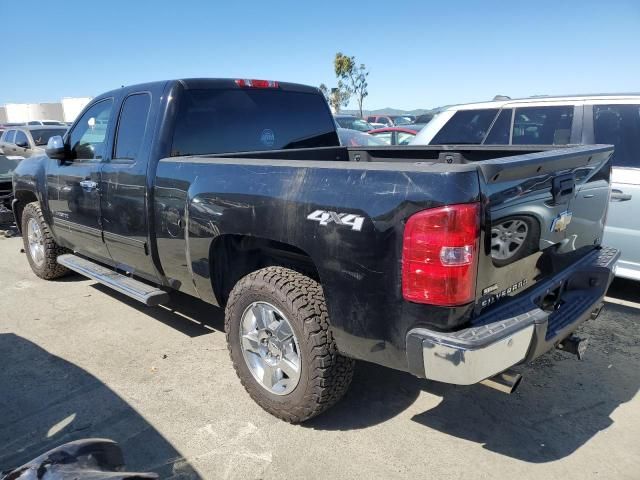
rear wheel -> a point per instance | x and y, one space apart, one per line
281 345
41 249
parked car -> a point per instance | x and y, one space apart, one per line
7 166
27 141
319 253
47 122
390 120
352 123
395 135
424 118
602 119
354 138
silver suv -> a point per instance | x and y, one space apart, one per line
586 119
27 141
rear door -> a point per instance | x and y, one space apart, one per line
74 200
124 185
618 123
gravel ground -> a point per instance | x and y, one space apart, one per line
78 360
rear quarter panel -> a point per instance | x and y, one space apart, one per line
199 199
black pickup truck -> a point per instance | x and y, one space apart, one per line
452 263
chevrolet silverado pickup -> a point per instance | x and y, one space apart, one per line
453 263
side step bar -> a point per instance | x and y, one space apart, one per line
150 296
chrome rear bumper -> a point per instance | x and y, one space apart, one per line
499 339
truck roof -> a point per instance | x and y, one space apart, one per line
204 83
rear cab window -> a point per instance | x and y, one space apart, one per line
224 120
619 125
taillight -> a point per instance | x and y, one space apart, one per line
440 255
246 83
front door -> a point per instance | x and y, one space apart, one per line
75 200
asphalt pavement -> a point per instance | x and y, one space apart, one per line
78 360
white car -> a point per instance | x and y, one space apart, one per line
587 119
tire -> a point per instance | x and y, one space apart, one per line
530 245
46 266
324 374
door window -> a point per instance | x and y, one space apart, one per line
21 139
501 129
87 139
9 136
542 125
132 126
466 127
619 125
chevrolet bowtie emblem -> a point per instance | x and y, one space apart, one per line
561 222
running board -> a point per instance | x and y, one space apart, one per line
150 296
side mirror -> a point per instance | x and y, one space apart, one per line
23 144
55 148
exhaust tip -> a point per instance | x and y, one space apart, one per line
505 382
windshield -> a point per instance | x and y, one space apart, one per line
41 137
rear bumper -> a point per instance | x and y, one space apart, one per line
516 331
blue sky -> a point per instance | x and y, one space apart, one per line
420 54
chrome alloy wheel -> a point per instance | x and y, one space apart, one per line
36 242
507 238
270 348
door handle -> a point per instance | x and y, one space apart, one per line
88 185
619 196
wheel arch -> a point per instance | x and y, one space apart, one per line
232 256
21 199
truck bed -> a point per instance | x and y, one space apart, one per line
273 196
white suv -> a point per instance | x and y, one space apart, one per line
587 119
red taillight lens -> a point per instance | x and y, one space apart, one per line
246 83
440 255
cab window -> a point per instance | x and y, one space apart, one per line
132 126
87 139
619 125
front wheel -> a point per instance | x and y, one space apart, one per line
41 249
281 346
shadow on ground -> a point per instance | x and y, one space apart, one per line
561 404
184 313
46 401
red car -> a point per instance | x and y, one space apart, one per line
394 135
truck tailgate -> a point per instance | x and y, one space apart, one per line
542 212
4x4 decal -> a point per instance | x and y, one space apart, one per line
325 217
